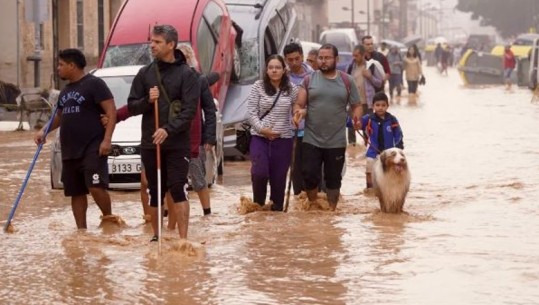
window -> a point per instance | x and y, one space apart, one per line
206 47
41 36
213 15
80 24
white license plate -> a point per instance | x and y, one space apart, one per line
124 168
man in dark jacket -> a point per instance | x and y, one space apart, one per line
171 83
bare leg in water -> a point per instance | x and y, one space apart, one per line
144 196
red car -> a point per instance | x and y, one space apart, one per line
204 24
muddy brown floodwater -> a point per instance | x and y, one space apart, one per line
471 235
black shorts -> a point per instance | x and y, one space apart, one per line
331 158
78 175
174 170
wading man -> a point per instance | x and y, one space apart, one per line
322 100
171 83
85 142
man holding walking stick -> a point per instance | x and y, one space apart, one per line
85 142
169 82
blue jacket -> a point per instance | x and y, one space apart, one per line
391 135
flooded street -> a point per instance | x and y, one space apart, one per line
471 235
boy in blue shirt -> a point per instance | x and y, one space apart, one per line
381 131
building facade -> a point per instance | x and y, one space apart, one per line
312 18
28 45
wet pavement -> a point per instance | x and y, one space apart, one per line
470 235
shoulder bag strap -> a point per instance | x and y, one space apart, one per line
274 102
347 84
160 83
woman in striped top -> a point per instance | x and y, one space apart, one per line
272 136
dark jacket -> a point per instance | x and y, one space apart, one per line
381 133
180 83
209 109
203 127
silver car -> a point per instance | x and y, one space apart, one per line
124 162
266 29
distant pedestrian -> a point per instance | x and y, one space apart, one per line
203 139
371 53
366 76
413 71
269 107
297 70
312 59
396 63
323 99
509 64
85 143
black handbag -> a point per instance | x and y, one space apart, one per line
422 80
243 135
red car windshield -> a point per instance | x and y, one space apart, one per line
130 55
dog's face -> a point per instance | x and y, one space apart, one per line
393 158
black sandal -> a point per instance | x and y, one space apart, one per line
154 238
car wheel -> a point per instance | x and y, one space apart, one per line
236 64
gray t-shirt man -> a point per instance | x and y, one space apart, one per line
327 101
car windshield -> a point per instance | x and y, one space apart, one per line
244 16
120 87
129 55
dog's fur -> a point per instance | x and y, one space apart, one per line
391 180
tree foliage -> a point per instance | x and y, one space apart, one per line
509 17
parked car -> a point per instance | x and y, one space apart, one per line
266 26
124 162
307 46
203 24
344 39
345 58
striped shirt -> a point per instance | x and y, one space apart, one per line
279 118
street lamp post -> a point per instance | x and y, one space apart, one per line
368 17
352 11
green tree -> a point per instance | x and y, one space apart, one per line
509 17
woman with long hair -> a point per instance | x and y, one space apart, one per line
412 68
270 111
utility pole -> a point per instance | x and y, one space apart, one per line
369 17
352 11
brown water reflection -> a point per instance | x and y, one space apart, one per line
471 235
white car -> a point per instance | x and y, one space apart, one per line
124 161
345 39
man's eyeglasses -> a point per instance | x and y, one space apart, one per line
325 58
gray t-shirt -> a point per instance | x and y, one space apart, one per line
325 123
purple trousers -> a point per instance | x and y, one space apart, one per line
269 162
